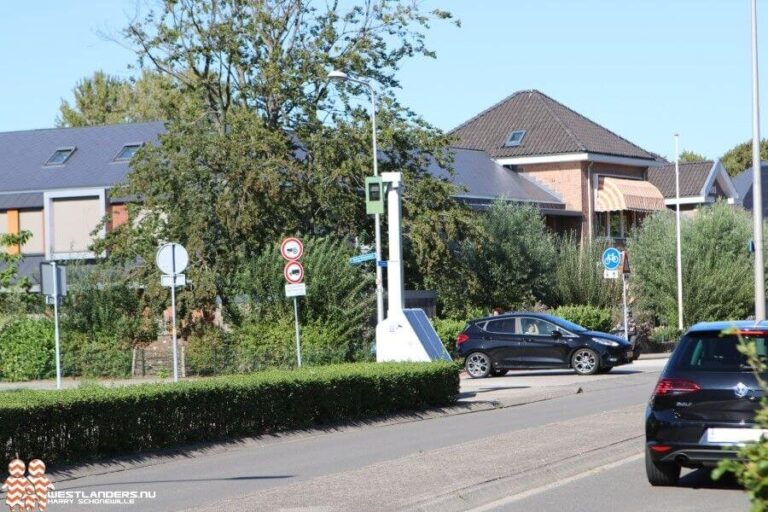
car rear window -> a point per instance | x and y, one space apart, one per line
713 352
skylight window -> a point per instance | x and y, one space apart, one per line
127 152
515 139
60 156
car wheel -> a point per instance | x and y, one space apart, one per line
585 361
499 373
605 369
478 365
661 473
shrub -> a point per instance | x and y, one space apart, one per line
27 349
447 329
77 424
84 355
209 351
717 270
578 275
267 344
591 317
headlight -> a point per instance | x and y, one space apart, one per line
603 341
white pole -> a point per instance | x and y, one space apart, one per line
56 322
395 264
757 190
298 332
173 320
624 279
678 249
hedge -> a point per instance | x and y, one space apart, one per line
91 422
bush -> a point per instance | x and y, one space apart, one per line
591 317
84 355
77 424
209 351
27 349
717 270
578 275
447 329
272 344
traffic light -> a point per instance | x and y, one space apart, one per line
374 195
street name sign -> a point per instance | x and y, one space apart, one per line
362 258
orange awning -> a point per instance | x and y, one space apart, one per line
616 194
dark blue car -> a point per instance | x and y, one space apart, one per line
703 407
493 345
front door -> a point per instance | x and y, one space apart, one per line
540 346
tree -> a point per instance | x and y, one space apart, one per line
578 275
691 157
106 99
737 159
13 289
717 269
268 151
515 260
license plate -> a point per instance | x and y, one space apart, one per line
735 435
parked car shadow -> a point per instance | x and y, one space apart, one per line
549 373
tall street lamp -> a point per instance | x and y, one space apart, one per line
341 76
757 185
678 249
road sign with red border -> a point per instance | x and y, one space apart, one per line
291 249
293 272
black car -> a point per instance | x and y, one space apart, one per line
704 405
493 345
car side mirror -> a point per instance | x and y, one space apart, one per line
557 334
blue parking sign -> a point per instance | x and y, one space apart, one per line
611 258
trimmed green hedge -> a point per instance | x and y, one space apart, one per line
91 422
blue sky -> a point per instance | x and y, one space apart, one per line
644 69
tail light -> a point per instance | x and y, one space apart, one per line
461 338
667 387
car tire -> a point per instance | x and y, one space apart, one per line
499 373
585 361
661 473
605 369
478 365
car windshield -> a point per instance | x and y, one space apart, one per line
713 352
570 325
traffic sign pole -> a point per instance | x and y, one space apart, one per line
56 334
298 332
173 319
625 279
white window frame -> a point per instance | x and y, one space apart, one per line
48 198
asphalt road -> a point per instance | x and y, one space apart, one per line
448 462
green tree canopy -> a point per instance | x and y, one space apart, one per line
691 157
736 160
717 269
272 148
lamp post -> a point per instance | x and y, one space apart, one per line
678 249
341 76
757 171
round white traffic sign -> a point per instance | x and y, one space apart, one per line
293 272
172 258
291 249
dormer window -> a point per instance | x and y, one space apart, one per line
515 139
127 152
60 156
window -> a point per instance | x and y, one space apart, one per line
515 139
60 156
506 326
536 326
127 152
712 352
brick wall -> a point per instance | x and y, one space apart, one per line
565 179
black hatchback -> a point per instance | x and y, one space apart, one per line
493 345
704 405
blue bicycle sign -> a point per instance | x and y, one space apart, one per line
611 258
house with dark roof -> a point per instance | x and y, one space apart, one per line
55 184
744 184
701 183
601 178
